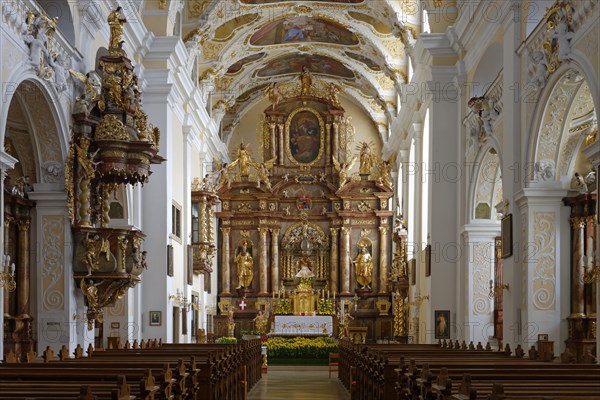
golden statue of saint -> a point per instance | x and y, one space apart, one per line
245 265
305 81
366 159
243 160
364 267
115 22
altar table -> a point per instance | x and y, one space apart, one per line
297 325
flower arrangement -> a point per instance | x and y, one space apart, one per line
325 307
226 340
283 307
301 347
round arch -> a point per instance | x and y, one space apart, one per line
579 65
487 157
41 97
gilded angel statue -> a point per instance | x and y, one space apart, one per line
385 170
263 170
332 93
92 85
274 94
343 170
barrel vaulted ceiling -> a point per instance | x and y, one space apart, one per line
246 45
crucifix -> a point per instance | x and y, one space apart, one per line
243 304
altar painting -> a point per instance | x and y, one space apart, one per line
305 136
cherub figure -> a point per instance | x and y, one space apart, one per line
343 170
541 68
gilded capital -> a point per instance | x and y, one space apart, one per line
383 230
345 230
263 231
334 231
226 230
23 224
577 222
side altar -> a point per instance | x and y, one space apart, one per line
312 198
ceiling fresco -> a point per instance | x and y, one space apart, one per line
316 64
298 29
322 1
365 60
359 45
240 64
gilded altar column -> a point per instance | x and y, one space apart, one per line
345 260
23 270
6 299
383 259
336 144
577 287
202 214
263 262
334 259
328 144
274 259
281 144
273 139
226 263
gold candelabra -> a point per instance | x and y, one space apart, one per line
179 300
495 289
7 276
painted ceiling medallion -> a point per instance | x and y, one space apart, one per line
303 29
316 64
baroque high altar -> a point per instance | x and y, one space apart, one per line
297 206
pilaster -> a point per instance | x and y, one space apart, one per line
543 298
476 304
56 295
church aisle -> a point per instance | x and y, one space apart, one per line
298 383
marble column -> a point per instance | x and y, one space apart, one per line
273 140
336 141
23 270
281 144
225 263
590 288
345 260
263 262
577 286
6 294
274 259
383 259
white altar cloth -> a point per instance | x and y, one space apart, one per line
297 325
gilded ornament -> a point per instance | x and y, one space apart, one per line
162 4
591 138
110 127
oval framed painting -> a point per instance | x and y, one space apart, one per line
305 136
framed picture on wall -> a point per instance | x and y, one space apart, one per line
428 260
155 318
170 260
412 270
442 324
506 236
